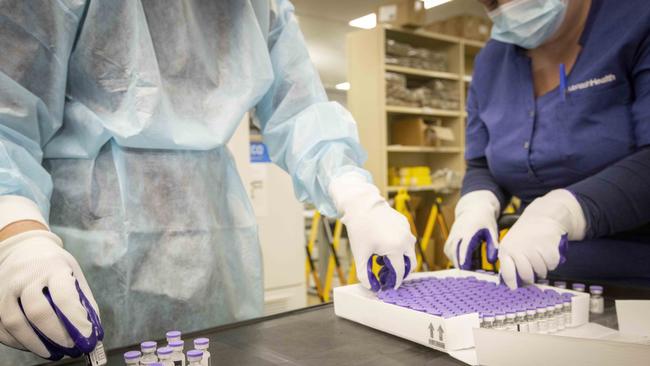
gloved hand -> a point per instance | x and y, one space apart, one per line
475 222
538 241
374 228
46 306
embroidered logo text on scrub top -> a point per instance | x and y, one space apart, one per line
592 82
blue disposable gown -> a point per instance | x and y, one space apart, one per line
113 118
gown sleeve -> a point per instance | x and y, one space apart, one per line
314 140
36 39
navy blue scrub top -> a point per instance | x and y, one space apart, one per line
564 136
592 138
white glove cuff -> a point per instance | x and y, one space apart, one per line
18 208
22 237
353 187
562 206
481 200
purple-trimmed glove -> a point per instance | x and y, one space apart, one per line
374 228
46 306
386 279
538 241
475 222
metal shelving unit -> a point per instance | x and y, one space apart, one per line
367 66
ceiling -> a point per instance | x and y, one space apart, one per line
336 10
325 26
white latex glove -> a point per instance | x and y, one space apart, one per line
373 228
537 242
42 290
475 222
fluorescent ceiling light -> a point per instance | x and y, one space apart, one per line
366 22
428 4
343 86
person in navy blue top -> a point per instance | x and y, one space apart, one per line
559 116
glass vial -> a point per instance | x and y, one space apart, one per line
597 302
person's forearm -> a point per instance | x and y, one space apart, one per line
616 199
478 177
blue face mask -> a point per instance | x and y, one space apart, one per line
527 23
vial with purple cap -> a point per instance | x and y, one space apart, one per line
148 353
580 287
194 357
178 357
542 324
202 344
520 320
173 335
500 320
132 358
164 356
551 321
559 315
566 308
488 321
596 303
509 323
530 326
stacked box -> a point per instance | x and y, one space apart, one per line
402 54
438 94
465 26
402 13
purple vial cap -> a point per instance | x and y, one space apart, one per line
173 334
132 355
201 341
156 364
560 284
595 288
148 345
165 351
195 353
176 343
578 286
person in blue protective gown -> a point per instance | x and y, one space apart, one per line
114 117
559 116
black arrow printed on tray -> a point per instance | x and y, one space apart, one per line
431 329
441 333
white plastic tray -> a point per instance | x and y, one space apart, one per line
356 303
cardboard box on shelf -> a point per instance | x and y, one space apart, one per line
412 131
465 26
404 13
415 131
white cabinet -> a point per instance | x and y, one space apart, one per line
281 226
